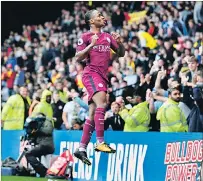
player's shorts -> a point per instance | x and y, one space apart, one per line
93 82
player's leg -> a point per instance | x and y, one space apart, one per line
101 102
88 129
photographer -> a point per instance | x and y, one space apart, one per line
40 131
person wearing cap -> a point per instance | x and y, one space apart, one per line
171 117
137 119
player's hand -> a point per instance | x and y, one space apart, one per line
116 36
94 39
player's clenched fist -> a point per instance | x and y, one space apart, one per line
94 39
116 36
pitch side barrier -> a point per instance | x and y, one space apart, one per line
139 157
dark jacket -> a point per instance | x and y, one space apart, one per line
58 111
116 122
195 118
44 136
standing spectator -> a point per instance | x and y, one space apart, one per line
193 67
70 112
198 16
57 107
10 77
44 106
195 118
15 111
36 100
117 17
20 76
114 120
137 119
62 94
170 115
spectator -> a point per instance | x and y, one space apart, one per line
137 119
15 111
57 107
170 115
44 106
193 67
36 100
117 17
195 118
70 112
20 76
114 120
9 76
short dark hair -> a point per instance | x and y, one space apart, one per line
88 15
170 90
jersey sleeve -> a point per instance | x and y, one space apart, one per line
82 43
114 44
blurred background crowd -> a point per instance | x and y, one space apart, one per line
163 42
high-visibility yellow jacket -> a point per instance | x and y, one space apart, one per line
136 119
171 117
63 96
43 106
13 113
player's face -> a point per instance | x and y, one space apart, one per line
98 19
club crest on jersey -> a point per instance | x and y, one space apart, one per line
108 39
80 41
100 85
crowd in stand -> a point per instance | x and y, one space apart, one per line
163 55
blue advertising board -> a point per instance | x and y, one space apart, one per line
139 156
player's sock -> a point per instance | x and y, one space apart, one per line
99 124
87 133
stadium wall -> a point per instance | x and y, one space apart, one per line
139 157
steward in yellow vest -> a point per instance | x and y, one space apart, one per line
170 115
15 111
137 119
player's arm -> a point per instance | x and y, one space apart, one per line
120 51
82 54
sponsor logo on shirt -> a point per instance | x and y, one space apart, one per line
108 39
80 41
102 48
100 85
